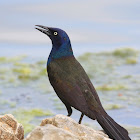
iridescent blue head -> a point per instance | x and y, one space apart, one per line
61 46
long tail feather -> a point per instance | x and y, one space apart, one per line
114 130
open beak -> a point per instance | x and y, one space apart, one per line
43 29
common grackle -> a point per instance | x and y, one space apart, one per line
73 86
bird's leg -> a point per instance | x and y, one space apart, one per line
69 114
69 109
81 117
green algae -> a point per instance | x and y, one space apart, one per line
54 99
41 62
3 70
12 59
36 112
13 104
127 76
21 64
12 79
58 105
106 62
9 103
17 58
131 61
2 77
59 108
3 59
125 52
28 77
24 70
25 117
45 87
124 98
43 72
113 106
109 87
85 56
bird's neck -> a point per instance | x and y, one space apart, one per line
65 50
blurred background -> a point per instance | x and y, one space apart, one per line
105 39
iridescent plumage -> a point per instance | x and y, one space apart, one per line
73 86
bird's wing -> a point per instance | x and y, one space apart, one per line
73 84
69 91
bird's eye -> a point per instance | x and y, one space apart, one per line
55 33
64 38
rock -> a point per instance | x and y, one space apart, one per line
62 127
10 129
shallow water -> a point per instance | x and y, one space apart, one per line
26 91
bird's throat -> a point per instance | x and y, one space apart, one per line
65 50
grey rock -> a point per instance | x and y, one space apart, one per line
61 127
10 129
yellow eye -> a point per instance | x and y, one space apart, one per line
55 33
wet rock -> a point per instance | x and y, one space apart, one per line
62 127
10 129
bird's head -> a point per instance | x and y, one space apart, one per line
57 36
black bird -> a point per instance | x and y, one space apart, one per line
73 86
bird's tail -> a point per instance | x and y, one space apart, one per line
113 130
